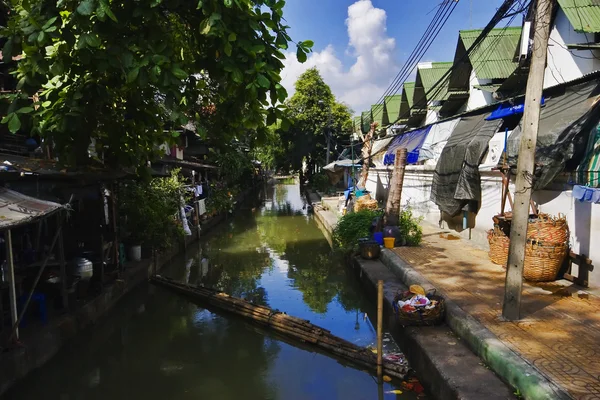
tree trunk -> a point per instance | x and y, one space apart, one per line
392 208
366 155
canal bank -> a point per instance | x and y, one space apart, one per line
442 360
40 343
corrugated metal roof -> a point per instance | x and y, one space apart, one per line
17 208
366 119
494 57
430 74
356 122
377 111
392 106
584 15
406 102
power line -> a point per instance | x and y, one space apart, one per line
435 26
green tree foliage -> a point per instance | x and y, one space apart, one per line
314 112
127 72
149 209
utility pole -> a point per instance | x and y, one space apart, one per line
525 164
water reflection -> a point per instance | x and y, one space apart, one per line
157 345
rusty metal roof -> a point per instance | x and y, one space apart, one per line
584 15
494 57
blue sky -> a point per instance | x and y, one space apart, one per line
360 45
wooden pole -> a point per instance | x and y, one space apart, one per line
16 324
380 330
12 288
63 271
366 155
392 208
525 165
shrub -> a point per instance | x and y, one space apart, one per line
352 227
321 182
410 227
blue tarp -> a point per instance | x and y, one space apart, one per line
412 141
508 109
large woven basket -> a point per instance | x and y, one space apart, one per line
421 317
542 261
548 229
498 246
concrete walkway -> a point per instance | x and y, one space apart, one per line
560 331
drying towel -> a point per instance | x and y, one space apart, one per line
588 194
201 207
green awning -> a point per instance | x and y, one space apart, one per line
584 46
489 87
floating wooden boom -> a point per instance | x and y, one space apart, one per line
283 324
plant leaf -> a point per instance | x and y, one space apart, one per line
263 81
24 110
133 74
86 7
14 123
179 73
301 55
205 27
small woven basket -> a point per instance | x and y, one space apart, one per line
542 261
421 317
548 230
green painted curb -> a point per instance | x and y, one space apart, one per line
508 365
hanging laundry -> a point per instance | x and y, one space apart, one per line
201 207
198 190
587 194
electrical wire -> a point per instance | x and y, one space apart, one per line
439 20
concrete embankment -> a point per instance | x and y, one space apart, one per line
442 360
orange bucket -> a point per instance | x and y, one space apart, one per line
388 242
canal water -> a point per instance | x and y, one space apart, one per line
156 345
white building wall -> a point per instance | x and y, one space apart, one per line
583 218
477 98
564 64
432 117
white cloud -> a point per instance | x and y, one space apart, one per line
373 66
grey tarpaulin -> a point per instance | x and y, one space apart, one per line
456 180
565 123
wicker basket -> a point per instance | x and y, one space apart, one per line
499 243
542 261
548 230
421 317
365 203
